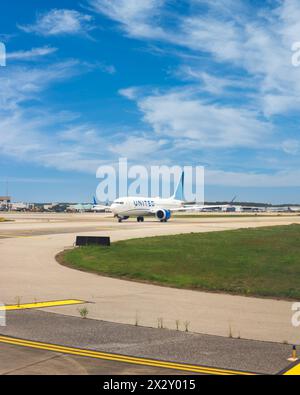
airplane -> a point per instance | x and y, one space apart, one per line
162 209
221 207
99 208
89 207
79 208
18 207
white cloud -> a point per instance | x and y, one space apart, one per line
212 84
126 11
284 178
107 68
60 22
32 54
135 147
136 17
255 40
30 133
26 138
129 93
34 180
291 146
180 115
19 84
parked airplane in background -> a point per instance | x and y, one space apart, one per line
221 207
89 207
162 209
99 208
80 208
18 206
14 206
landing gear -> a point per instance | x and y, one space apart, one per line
163 220
121 219
140 219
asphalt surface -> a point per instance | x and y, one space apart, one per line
44 232
162 344
24 361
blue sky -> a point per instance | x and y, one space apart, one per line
190 82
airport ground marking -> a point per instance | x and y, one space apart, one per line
40 305
27 236
15 236
120 358
293 370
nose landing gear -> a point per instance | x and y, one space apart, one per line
140 219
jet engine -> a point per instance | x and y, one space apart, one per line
163 215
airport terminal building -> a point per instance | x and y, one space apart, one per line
5 200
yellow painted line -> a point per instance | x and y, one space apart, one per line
120 358
40 305
294 371
15 236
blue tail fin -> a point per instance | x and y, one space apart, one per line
95 201
179 192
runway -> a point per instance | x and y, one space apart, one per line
30 273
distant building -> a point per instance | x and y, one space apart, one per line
5 199
4 202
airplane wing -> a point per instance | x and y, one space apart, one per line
188 208
203 207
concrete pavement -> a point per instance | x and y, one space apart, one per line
119 339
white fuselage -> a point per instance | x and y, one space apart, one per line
140 206
99 208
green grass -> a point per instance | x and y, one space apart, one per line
260 261
5 220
